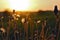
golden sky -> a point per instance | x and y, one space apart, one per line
30 5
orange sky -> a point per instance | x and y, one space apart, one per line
33 5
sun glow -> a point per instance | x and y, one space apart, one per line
19 4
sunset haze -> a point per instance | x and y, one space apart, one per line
30 5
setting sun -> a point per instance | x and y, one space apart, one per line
19 4
29 5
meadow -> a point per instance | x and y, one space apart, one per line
39 25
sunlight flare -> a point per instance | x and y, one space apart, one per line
19 4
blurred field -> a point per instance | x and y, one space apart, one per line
30 25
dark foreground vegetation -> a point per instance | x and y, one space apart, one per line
41 25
